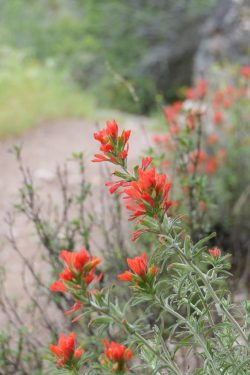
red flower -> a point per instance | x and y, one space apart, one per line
58 286
74 308
141 271
245 71
190 93
113 146
212 138
211 165
171 112
65 352
218 118
139 265
146 162
117 356
201 88
136 234
164 140
221 154
191 120
79 271
201 155
197 159
126 276
215 252
115 185
148 195
227 103
218 99
198 92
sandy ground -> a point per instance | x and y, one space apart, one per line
44 148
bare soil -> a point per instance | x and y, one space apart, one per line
44 148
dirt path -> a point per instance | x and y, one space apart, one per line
43 149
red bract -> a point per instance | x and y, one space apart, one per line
218 118
141 271
146 162
212 165
215 252
218 99
148 195
65 352
113 146
115 185
197 160
201 88
245 71
197 92
136 234
203 162
117 356
171 112
212 138
164 140
78 273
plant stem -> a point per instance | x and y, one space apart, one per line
198 337
213 294
131 330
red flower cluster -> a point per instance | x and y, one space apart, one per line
215 252
65 351
203 162
171 113
197 92
146 192
113 146
148 195
117 356
142 272
212 138
78 273
218 118
225 98
245 71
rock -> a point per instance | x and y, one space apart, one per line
225 36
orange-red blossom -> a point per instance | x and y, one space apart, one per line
245 71
148 195
116 356
113 146
78 273
79 266
65 351
141 271
215 252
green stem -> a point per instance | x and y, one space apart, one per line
213 294
125 325
186 322
169 364
210 317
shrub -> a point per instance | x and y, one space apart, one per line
178 280
31 92
204 148
142 50
63 220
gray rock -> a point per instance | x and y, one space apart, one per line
225 36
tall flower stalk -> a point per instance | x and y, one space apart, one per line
179 281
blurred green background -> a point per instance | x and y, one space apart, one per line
66 58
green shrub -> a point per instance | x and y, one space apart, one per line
31 92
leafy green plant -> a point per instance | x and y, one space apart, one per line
31 92
180 279
205 145
142 50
